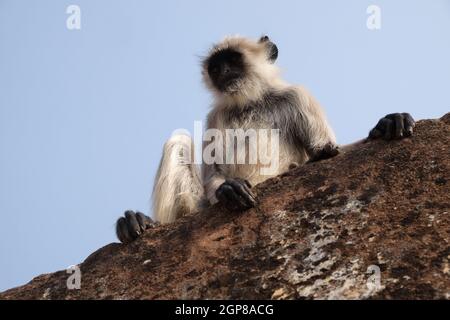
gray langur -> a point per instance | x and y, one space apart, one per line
248 94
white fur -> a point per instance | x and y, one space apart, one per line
177 190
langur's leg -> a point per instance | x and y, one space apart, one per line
393 126
178 190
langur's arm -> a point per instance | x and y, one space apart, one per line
211 176
393 126
212 180
313 128
233 193
351 146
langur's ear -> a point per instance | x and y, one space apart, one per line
264 39
272 49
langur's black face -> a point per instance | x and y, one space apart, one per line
230 68
226 68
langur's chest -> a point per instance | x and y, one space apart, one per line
272 112
251 117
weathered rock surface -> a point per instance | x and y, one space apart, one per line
321 231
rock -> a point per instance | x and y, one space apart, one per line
373 223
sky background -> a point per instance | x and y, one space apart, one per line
84 113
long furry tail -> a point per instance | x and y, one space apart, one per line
178 189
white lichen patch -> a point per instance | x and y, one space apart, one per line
341 284
344 283
446 267
281 294
46 294
319 258
353 205
381 259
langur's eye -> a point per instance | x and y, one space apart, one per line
213 69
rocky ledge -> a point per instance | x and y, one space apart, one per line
373 223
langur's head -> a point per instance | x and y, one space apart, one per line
241 68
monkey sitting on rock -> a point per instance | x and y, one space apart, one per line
249 94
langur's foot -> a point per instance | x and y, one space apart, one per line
132 226
328 151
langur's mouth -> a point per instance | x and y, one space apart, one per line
230 85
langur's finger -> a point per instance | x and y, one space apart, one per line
220 194
240 189
247 186
239 201
332 150
144 221
375 133
409 119
378 131
381 124
226 196
122 231
133 225
236 201
387 128
409 124
398 119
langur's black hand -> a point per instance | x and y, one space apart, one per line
132 226
236 195
393 126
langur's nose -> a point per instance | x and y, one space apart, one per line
226 69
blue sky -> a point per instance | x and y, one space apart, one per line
84 113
